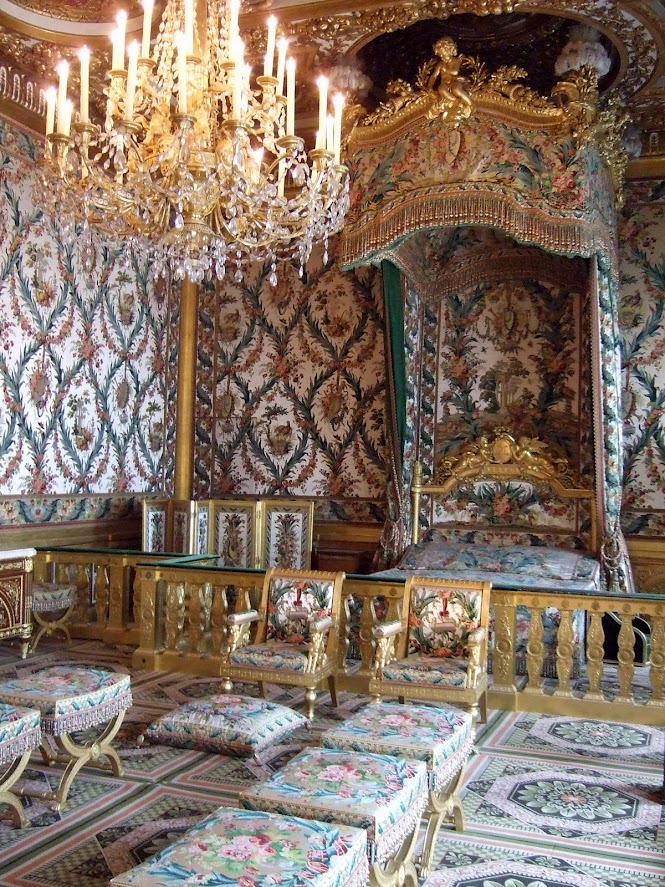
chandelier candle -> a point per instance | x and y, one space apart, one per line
195 162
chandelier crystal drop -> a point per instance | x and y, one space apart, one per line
197 162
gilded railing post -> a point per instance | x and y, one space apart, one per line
503 659
218 613
626 656
535 649
564 650
595 652
102 595
118 612
658 657
174 618
146 584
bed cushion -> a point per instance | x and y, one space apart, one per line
511 566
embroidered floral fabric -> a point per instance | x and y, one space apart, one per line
379 793
441 619
291 605
427 670
275 655
20 730
511 566
257 849
235 725
49 596
421 732
68 697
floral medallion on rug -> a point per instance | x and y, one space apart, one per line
576 738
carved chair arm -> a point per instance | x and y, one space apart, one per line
321 623
387 629
475 668
242 618
239 625
319 629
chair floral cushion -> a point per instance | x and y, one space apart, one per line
441 737
292 603
50 596
68 697
257 849
427 670
440 620
276 655
381 794
20 731
234 725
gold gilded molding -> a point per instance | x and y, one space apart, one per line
90 11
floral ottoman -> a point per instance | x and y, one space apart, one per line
73 698
20 733
259 849
233 725
442 737
384 795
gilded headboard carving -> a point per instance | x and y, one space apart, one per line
502 458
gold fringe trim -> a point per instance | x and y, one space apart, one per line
361 241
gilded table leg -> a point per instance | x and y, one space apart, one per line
7 779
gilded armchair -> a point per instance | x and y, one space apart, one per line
437 652
295 640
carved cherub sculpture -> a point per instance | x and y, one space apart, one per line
446 81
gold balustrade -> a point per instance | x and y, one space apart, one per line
179 608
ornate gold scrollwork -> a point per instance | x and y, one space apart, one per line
577 96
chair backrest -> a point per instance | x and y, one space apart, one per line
441 614
291 598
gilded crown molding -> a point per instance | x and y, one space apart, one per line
93 11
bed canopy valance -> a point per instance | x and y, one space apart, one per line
487 152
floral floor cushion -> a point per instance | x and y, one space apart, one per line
442 737
245 847
379 793
70 697
235 725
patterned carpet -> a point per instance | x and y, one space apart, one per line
549 802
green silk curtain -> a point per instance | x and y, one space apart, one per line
395 353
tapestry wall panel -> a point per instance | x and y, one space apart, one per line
291 388
642 319
81 363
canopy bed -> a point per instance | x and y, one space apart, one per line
493 216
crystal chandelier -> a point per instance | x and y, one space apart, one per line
197 162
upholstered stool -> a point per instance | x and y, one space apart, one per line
230 725
441 737
52 607
243 847
69 699
20 733
379 793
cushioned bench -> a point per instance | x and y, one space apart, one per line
381 794
20 733
71 699
248 847
441 737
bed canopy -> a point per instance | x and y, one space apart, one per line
539 175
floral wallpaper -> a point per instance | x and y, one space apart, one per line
642 320
291 389
81 362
